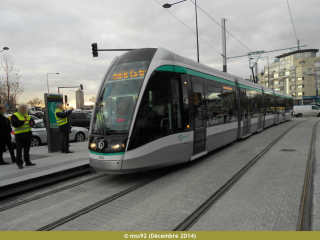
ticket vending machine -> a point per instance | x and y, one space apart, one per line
53 133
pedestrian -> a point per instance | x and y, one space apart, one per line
64 126
22 124
5 136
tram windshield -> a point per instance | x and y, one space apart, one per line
118 98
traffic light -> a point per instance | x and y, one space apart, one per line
65 98
94 49
81 87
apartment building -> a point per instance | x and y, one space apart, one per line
294 73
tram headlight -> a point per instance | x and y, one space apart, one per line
118 144
93 145
115 146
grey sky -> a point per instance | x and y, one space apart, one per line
55 36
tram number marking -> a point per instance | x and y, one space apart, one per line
101 157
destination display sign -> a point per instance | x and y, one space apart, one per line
129 74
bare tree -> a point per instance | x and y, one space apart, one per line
36 102
10 86
92 99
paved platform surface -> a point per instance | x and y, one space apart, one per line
46 163
268 196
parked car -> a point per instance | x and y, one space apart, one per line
34 117
80 120
77 111
39 134
88 112
306 110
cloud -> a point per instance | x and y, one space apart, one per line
56 36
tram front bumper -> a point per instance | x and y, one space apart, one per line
107 166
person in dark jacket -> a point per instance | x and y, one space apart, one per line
22 124
64 126
5 136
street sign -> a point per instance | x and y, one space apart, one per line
310 97
7 105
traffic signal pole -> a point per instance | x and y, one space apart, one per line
81 87
95 49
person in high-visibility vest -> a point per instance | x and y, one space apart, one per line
64 126
5 136
22 124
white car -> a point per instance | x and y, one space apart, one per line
39 134
306 110
88 112
77 111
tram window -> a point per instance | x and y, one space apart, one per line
214 103
280 104
256 103
244 104
159 112
269 103
176 106
222 103
198 104
289 106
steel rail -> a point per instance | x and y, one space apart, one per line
50 193
200 211
304 223
100 203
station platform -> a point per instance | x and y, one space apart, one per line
50 167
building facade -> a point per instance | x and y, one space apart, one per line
294 73
79 99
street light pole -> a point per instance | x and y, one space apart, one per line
224 44
8 87
197 29
317 89
48 79
168 5
268 73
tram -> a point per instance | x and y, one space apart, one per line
155 108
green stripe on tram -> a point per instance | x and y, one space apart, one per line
166 68
178 69
250 88
107 154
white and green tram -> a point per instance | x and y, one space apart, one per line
155 108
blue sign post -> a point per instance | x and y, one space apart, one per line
7 105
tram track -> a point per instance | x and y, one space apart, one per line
306 199
100 203
215 197
51 192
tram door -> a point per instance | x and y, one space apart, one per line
277 109
246 111
260 111
199 117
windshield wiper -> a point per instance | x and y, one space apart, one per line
110 130
101 123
